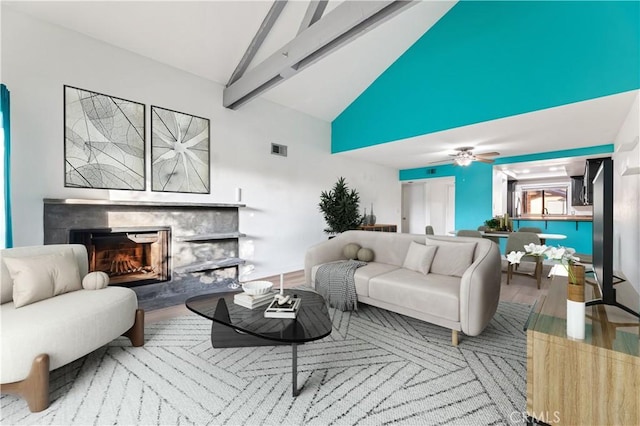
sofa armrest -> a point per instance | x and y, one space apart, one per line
480 290
324 252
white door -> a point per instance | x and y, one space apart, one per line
413 208
429 202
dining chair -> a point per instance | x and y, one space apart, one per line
484 228
530 229
428 230
469 233
516 242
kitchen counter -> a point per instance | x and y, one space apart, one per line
563 218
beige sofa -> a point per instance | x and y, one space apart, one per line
461 303
50 333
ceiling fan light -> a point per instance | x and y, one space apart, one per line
463 161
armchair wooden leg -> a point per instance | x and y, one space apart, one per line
454 337
136 332
35 388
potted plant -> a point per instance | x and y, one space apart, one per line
492 224
340 208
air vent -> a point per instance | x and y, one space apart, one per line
279 149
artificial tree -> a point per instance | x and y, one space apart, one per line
340 207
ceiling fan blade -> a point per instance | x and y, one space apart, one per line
487 154
484 160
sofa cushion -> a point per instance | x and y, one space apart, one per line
364 274
419 257
452 258
66 327
437 295
37 278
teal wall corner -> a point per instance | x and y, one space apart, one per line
488 60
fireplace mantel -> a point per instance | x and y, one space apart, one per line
204 240
134 203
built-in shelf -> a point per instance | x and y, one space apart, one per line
210 265
90 202
211 237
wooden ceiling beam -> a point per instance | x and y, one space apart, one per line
313 14
345 23
258 39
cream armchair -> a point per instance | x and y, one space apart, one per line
41 336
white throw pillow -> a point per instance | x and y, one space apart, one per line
31 283
95 281
66 274
452 259
37 278
419 257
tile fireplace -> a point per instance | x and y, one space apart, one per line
130 256
165 251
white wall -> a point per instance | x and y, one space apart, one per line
281 218
626 228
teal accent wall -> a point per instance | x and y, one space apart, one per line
580 239
488 60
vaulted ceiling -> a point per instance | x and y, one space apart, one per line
209 38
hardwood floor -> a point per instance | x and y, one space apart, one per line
521 290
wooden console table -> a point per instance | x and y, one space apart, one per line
595 381
379 228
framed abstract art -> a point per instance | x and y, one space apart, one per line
104 143
179 152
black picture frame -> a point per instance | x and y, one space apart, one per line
104 141
180 152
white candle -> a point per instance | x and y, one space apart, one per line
281 283
575 319
238 195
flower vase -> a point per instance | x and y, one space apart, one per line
575 302
372 217
365 218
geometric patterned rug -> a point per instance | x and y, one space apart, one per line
376 367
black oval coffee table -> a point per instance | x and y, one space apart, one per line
236 326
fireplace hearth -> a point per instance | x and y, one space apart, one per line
130 256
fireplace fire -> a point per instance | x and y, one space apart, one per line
130 256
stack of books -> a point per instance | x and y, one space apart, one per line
250 302
286 310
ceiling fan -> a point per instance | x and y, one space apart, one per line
465 156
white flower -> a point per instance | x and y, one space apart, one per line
514 257
562 254
556 253
535 250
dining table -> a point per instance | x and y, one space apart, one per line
505 234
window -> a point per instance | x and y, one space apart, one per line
545 199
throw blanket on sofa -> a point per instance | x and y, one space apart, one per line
335 282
